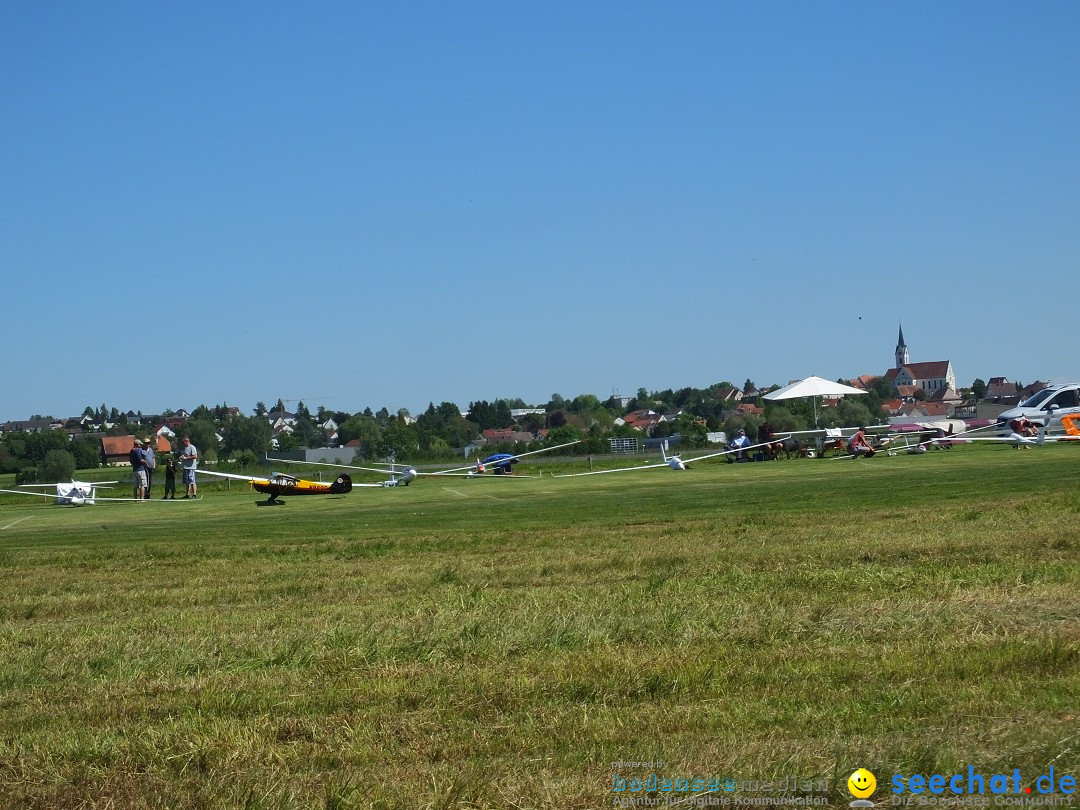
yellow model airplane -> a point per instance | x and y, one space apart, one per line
279 484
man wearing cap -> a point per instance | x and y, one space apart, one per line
138 471
739 445
151 463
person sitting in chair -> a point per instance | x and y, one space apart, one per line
767 437
739 445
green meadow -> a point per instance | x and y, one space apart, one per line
501 643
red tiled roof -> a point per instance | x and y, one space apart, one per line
929 370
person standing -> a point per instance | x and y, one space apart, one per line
189 459
138 471
151 463
170 480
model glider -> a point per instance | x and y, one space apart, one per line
498 464
673 462
279 484
73 493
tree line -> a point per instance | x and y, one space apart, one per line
439 433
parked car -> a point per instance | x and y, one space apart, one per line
1046 406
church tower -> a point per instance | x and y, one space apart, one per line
902 356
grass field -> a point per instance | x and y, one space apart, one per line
474 644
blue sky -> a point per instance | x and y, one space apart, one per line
390 204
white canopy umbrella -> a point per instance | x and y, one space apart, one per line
813 387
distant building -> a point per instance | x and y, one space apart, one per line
521 413
115 449
931 376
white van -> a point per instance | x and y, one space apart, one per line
1046 405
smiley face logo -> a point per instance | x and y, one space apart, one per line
861 783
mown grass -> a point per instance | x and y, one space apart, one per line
501 643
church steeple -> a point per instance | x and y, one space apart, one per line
902 356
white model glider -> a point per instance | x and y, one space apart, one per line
500 464
73 493
673 462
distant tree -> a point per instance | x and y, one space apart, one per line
919 395
203 435
37 445
485 415
692 433
279 407
883 387
260 409
308 433
363 429
59 465
978 389
584 404
555 402
251 433
8 462
748 386
643 401
87 453
398 440
245 459
88 411
502 414
562 435
782 419
533 422
202 413
740 420
288 442
557 419
851 412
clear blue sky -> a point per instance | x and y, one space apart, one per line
368 204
